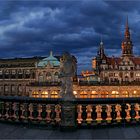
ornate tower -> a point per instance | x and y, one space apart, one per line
127 46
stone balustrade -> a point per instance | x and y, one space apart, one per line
89 112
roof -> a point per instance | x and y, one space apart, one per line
88 73
136 60
52 60
21 59
117 60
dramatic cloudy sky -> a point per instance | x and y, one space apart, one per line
33 28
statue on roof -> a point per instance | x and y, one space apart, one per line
67 72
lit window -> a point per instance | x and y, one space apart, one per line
75 93
94 94
54 94
83 94
35 94
115 94
116 74
0 72
125 94
44 94
138 74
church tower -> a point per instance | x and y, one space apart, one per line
127 46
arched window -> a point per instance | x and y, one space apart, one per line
13 74
6 89
44 94
1 74
56 75
40 77
114 94
75 93
7 74
27 74
13 88
20 74
33 75
125 94
83 94
94 94
54 94
48 76
35 94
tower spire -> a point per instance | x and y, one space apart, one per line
127 32
101 49
127 46
127 21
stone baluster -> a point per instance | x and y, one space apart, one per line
58 112
31 111
137 109
15 108
89 113
128 117
99 111
48 110
108 111
79 111
10 111
43 112
2 110
118 109
39 112
7 110
25 111
17 111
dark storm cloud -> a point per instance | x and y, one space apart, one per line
33 28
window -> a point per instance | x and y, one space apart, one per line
115 94
44 94
83 94
27 74
116 74
40 77
35 94
48 76
138 74
13 88
75 93
56 75
54 94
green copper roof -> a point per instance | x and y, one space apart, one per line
51 60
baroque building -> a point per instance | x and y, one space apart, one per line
118 70
38 77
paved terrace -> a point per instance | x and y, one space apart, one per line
12 131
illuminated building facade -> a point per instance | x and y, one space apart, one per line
112 77
118 70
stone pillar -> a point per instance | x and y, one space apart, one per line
68 116
67 72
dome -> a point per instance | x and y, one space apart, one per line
49 60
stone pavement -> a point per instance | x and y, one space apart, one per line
10 131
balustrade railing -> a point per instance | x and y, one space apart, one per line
104 112
89 112
27 110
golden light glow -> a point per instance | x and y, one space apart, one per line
44 94
75 93
83 94
35 94
54 94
